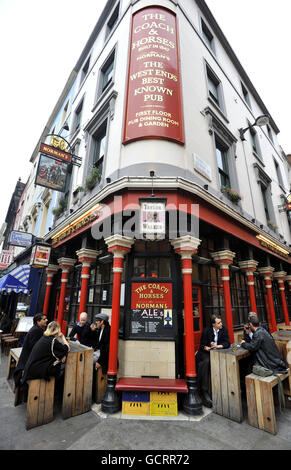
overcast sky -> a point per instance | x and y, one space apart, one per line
42 40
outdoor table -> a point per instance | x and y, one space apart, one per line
225 381
77 395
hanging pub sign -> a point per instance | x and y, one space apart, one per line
153 218
151 314
154 100
52 168
40 256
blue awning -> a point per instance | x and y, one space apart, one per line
21 273
9 283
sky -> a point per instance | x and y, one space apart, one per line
42 40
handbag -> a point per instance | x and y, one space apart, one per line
57 361
264 372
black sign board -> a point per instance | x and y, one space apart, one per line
152 324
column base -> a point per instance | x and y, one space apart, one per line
192 403
111 403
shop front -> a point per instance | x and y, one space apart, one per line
160 290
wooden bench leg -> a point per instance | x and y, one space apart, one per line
101 383
40 402
260 401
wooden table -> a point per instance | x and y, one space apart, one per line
225 381
77 395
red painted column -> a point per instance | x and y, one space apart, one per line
119 246
86 257
50 272
224 258
65 264
267 273
186 247
280 276
249 267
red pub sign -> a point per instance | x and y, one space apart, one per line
154 103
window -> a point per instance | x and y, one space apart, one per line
279 174
207 35
77 117
270 135
112 21
265 182
255 142
107 72
214 88
85 69
99 146
246 95
265 202
222 163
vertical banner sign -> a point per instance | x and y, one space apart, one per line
154 103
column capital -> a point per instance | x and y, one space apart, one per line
66 262
185 246
266 271
86 254
280 275
223 257
248 265
52 269
119 245
288 278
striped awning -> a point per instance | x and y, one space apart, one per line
9 283
21 273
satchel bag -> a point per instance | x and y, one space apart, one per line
264 372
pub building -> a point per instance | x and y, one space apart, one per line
158 245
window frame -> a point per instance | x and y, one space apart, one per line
207 35
212 78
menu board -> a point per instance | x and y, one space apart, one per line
151 314
24 324
154 100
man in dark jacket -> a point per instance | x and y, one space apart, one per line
213 337
82 330
101 335
264 347
248 334
31 338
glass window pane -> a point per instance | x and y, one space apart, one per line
165 267
139 267
152 269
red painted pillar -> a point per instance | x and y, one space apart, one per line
50 272
65 264
224 258
267 273
86 257
119 246
249 267
280 276
187 246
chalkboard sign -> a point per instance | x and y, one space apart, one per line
151 323
151 315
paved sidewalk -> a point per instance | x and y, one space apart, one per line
96 431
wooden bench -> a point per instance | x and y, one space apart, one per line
99 385
40 402
148 384
260 401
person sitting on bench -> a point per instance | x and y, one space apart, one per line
264 347
248 334
101 333
213 337
47 355
31 338
82 330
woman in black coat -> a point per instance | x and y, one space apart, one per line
47 355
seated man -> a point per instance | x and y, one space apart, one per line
248 334
31 338
213 337
264 347
101 335
82 330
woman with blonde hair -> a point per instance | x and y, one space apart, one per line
47 355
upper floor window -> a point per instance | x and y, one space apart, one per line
214 88
85 69
222 162
207 35
99 147
279 174
246 95
107 72
270 135
77 117
255 141
112 20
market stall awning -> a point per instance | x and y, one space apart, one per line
9 283
21 273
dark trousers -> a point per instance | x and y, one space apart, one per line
203 370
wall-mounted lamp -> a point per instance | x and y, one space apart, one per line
261 121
